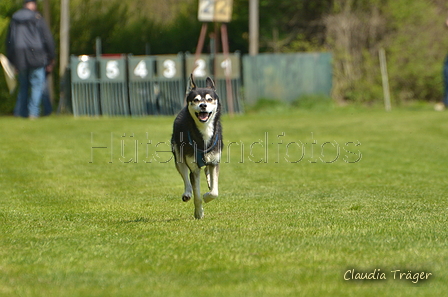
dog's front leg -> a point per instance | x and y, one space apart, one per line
207 177
195 180
213 172
184 172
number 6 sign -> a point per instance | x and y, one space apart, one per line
84 69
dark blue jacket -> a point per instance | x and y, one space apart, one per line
29 43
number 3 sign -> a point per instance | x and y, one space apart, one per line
215 10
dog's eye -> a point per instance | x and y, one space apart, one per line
195 100
209 100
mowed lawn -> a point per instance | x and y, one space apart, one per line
309 200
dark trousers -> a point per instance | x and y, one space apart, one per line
445 81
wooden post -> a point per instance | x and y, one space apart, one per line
225 48
201 41
47 17
385 78
253 27
65 37
64 51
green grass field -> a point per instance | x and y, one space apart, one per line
92 207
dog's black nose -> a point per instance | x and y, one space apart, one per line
203 105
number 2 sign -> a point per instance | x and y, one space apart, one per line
215 10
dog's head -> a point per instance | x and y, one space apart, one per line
203 103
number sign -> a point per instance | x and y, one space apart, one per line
227 66
141 68
113 69
215 10
83 69
169 67
199 67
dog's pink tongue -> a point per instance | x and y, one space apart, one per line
203 116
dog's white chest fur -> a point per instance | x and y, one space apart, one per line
206 130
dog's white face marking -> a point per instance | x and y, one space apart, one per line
203 110
201 106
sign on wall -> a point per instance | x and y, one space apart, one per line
227 66
113 69
83 69
169 67
215 10
141 68
199 66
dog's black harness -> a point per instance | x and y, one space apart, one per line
200 154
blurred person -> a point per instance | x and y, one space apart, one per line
46 100
445 76
30 48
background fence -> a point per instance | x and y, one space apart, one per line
287 76
120 85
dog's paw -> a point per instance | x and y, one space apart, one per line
186 197
209 197
199 213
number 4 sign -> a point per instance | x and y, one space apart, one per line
215 10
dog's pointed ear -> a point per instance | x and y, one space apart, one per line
192 83
210 84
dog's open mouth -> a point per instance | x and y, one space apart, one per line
203 116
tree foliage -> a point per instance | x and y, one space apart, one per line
412 34
7 8
130 26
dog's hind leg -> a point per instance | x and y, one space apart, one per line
195 180
212 174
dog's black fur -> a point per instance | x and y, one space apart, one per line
184 124
197 142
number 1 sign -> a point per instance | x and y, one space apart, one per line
215 10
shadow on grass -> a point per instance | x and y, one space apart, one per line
147 220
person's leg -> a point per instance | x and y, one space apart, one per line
21 108
445 80
46 102
37 81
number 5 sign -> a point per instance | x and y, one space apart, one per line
215 10
113 69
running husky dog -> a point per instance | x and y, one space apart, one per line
197 142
